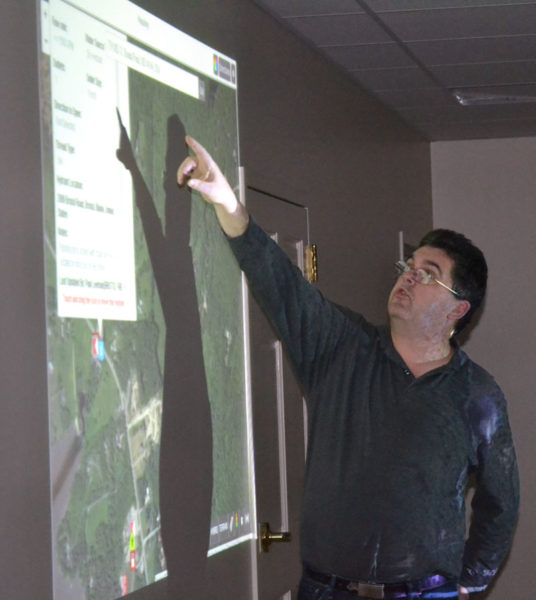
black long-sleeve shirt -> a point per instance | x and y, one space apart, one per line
389 455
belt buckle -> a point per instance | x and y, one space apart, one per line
376 591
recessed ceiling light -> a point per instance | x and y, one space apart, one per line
482 98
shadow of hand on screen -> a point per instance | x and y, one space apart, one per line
186 441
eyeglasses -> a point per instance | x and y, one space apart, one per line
421 275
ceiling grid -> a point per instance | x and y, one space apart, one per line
452 69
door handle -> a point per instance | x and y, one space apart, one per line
267 537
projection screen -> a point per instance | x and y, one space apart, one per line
119 90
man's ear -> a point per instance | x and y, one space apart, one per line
461 309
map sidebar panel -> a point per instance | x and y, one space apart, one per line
120 88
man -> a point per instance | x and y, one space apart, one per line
399 418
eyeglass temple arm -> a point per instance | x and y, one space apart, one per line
446 287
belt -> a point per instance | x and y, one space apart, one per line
378 591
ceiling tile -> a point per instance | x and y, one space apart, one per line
339 29
466 22
393 79
522 90
369 56
292 8
486 74
474 50
380 6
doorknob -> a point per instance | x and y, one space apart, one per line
267 536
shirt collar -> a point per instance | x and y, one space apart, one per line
456 362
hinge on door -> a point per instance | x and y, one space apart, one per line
311 263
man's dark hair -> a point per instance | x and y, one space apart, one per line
470 271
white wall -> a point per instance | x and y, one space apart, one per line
487 190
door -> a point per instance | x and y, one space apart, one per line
278 414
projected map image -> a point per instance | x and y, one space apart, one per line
119 308
217 278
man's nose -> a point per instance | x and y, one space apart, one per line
411 276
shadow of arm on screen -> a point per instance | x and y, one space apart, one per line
186 438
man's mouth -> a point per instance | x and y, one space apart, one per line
401 292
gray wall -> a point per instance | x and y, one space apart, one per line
306 133
486 190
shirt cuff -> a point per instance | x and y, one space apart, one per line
476 581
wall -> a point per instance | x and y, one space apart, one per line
486 189
307 133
